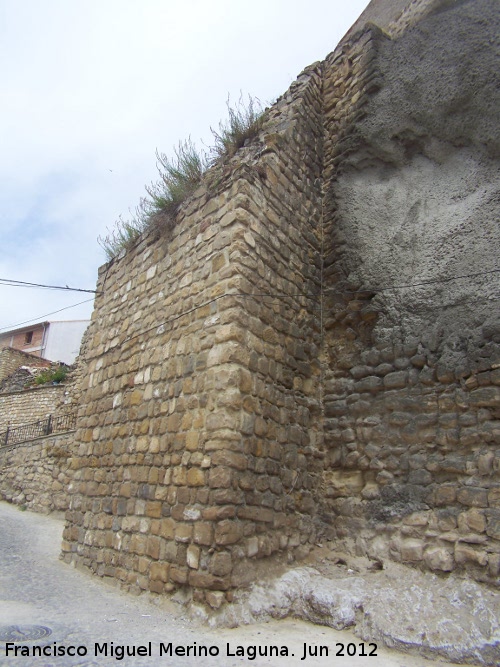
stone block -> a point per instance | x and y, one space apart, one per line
153 509
226 457
465 554
438 558
342 483
167 529
494 565
221 419
473 520
485 397
183 532
493 528
193 556
215 598
221 564
199 579
228 532
396 380
220 477
372 384
192 441
195 477
411 550
218 513
179 574
153 547
159 571
494 496
226 497
370 491
252 546
416 519
156 586
473 496
421 477
203 533
255 514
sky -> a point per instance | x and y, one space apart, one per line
90 90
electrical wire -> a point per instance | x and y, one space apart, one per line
19 283
159 326
245 295
41 317
422 284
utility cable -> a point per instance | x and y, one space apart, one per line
19 283
41 317
160 325
421 284
245 295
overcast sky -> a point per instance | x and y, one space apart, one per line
91 88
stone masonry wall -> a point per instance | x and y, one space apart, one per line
411 392
11 360
293 360
196 447
36 475
23 407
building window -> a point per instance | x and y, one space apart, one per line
28 337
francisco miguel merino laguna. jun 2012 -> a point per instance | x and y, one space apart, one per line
120 651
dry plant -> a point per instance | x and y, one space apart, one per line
181 175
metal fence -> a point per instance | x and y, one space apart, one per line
17 434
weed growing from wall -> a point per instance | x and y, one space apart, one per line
244 121
181 175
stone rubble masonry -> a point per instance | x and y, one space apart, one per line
36 475
242 394
11 360
411 393
197 443
24 407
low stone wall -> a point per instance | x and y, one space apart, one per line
36 474
11 360
23 407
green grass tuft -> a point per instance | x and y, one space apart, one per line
244 121
180 176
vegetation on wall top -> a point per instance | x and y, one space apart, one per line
181 175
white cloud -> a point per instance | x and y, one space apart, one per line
91 89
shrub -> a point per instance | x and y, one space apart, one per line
122 236
180 176
52 375
244 121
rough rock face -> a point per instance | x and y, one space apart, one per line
414 612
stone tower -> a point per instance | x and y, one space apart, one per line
314 350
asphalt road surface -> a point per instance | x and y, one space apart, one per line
48 611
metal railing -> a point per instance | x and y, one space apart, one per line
18 434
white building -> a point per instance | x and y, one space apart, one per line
53 340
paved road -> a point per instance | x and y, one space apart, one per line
78 610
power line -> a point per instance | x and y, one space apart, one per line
41 317
422 284
246 295
19 283
158 326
